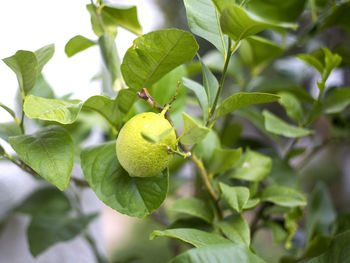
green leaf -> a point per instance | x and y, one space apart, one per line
201 95
155 138
2 151
238 23
336 101
210 84
292 105
283 196
97 27
331 61
154 54
9 129
316 247
224 159
235 196
49 152
45 201
279 234
25 65
243 99
218 254
193 132
203 20
43 55
338 17
42 88
194 207
125 99
77 44
252 166
251 203
338 251
133 196
320 213
278 126
312 61
205 149
236 229
291 223
341 224
195 237
10 111
255 50
44 231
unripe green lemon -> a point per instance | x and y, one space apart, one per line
139 157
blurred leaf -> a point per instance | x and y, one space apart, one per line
291 219
292 106
252 166
224 159
49 152
283 196
193 132
201 95
312 61
320 213
235 196
195 237
341 224
316 247
218 253
133 196
331 62
9 129
205 148
251 203
243 99
278 126
97 27
46 230
236 229
77 44
278 232
255 50
336 101
210 84
339 17
2 151
43 55
194 207
338 252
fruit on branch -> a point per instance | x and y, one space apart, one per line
138 154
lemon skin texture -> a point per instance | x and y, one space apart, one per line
136 155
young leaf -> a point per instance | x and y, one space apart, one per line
77 44
312 61
331 61
193 132
283 196
252 166
8 129
210 84
195 237
218 253
194 207
292 105
235 196
133 196
236 229
224 159
49 152
10 111
336 101
243 99
43 55
278 126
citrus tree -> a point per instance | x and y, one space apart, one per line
237 124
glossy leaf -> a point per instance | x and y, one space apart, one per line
77 44
235 196
194 207
195 237
336 101
236 229
243 99
278 126
49 152
292 106
283 196
224 159
9 129
193 132
133 196
210 84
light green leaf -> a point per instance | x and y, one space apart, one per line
201 95
236 229
292 105
291 219
195 237
9 129
336 101
42 88
279 234
243 99
219 254
224 159
252 166
278 126
77 44
96 25
251 203
154 54
193 132
43 55
312 61
194 207
283 196
203 20
10 111
210 84
205 149
155 138
133 196
235 196
331 61
49 152
25 65
238 23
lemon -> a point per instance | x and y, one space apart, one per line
136 155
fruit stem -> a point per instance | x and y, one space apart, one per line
165 110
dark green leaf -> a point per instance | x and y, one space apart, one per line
236 229
210 84
336 101
194 207
243 99
9 129
316 247
235 196
193 132
77 44
43 55
10 111
111 183
197 238
125 99
292 105
49 152
2 151
283 196
339 17
224 159
341 224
